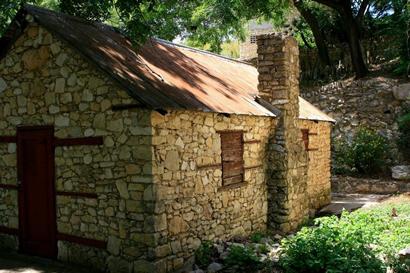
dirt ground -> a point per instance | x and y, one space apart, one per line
396 199
15 263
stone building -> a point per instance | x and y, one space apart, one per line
126 160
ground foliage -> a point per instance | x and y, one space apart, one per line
367 153
404 135
367 240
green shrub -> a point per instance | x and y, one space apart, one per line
365 155
256 237
343 159
363 241
369 151
243 259
404 137
204 254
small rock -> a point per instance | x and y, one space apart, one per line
402 92
214 267
277 237
266 241
401 172
238 244
224 255
276 245
113 245
3 85
197 271
219 248
405 252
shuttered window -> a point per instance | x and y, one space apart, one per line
232 158
305 138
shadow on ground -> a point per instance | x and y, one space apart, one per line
350 202
16 263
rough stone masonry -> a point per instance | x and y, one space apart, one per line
158 177
278 69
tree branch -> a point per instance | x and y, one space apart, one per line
362 10
335 4
305 40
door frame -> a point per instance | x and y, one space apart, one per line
49 129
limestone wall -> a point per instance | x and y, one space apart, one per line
376 103
158 178
278 67
44 82
319 153
190 194
354 185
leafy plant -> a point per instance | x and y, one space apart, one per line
363 241
242 258
204 254
343 158
256 237
369 151
366 154
404 138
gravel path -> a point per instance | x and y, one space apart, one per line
350 202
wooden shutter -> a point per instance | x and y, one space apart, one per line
305 138
232 157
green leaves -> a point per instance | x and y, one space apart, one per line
369 151
404 136
363 241
204 254
366 154
242 258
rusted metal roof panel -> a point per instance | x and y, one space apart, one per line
163 75
157 75
308 111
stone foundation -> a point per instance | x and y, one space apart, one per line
347 184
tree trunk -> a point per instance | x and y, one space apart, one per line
320 40
353 33
356 53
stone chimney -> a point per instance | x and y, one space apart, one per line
278 67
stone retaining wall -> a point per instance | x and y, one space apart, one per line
346 184
375 103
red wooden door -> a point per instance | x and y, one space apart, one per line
37 213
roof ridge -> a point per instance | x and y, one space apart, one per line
201 51
93 23
117 30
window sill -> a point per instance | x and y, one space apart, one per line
232 186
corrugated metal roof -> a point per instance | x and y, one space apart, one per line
308 111
164 75
239 75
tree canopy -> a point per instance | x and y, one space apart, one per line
316 23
